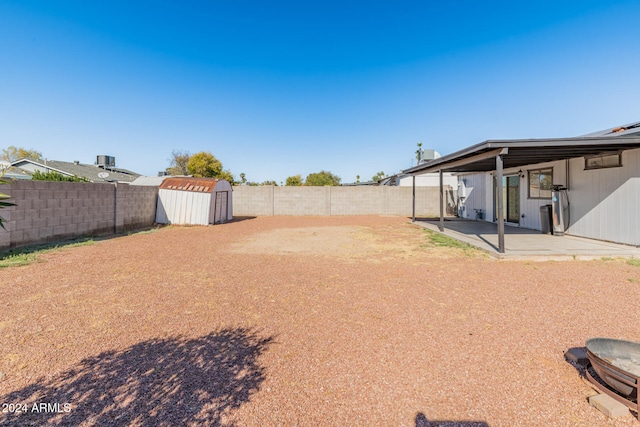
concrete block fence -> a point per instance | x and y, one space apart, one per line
356 200
54 211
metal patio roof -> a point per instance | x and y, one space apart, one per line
520 152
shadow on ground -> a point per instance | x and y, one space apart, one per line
581 365
422 421
89 239
174 381
241 218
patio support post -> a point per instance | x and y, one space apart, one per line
500 202
441 226
413 208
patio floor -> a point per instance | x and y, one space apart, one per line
521 243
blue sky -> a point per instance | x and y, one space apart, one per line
276 88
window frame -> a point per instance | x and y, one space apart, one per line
541 171
602 157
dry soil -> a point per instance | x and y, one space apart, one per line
303 321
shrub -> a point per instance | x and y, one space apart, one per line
56 176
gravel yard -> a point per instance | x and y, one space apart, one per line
303 321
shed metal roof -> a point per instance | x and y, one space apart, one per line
197 185
521 152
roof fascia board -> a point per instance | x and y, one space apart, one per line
14 163
568 142
42 165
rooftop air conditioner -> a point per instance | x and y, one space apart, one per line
106 161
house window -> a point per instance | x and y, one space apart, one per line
540 181
606 160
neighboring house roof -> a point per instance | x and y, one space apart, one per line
16 173
396 180
198 185
521 152
149 181
624 130
389 180
354 184
89 172
392 180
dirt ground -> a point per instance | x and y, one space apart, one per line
306 321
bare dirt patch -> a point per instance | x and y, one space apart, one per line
331 241
399 240
364 322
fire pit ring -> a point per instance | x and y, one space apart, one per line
616 363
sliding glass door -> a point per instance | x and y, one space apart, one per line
510 198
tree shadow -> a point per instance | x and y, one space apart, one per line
422 421
160 382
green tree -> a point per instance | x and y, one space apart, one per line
227 175
268 182
201 165
243 178
295 180
204 165
56 176
377 177
357 178
12 153
322 178
179 162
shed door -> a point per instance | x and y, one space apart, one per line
220 215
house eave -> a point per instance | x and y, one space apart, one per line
521 152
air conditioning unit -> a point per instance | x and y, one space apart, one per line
106 161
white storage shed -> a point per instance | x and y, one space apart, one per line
196 201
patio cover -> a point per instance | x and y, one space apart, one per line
495 155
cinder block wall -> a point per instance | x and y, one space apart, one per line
356 200
253 200
301 201
360 200
54 211
135 207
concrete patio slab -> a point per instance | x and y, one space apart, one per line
521 243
